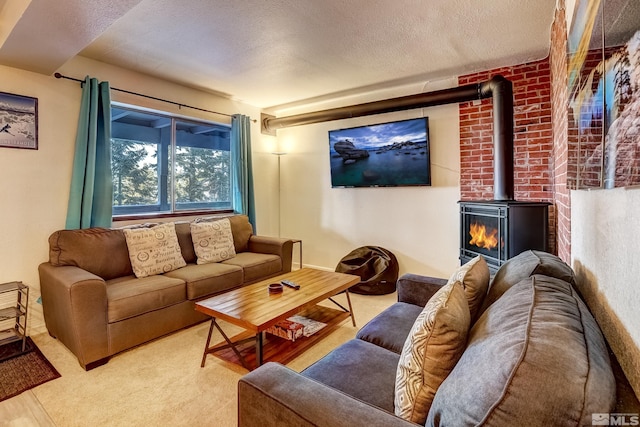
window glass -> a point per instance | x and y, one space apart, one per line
202 162
164 164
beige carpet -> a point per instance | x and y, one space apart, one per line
161 383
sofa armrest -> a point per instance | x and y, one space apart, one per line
274 395
416 289
275 246
74 303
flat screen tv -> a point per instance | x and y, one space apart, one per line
391 154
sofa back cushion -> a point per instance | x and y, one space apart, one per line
525 265
434 345
183 231
535 357
101 251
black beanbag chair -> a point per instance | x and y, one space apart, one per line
376 266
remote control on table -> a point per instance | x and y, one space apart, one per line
290 284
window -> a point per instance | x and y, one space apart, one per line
164 164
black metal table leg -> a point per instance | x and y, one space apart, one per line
206 346
349 310
353 319
230 344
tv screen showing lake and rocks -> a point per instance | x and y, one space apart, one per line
393 154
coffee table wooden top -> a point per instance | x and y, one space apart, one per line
253 308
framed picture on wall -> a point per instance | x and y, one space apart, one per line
18 121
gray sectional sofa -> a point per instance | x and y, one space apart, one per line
95 305
534 356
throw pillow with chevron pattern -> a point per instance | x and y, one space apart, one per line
434 345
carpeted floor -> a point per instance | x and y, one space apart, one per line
21 372
161 383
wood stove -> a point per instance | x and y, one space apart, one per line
499 230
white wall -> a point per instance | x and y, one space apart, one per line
418 224
605 233
34 184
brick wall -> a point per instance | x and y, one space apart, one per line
533 138
562 159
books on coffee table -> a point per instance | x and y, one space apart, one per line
287 329
310 326
295 327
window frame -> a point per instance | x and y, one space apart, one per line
166 162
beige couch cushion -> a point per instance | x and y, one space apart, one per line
129 296
212 241
474 276
154 250
434 345
206 279
535 357
100 251
256 266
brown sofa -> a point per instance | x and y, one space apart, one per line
95 305
534 356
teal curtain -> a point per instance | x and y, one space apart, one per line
91 195
242 174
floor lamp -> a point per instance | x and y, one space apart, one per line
279 154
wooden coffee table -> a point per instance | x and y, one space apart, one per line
254 309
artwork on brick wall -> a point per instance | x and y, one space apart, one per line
604 95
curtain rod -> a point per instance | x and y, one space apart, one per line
61 76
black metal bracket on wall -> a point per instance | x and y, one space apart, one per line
498 88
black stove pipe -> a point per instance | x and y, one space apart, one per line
498 87
501 90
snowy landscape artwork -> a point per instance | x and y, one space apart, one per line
18 121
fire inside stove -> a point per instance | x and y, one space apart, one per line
483 236
501 230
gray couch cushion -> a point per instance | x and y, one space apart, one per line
536 357
361 370
390 328
525 265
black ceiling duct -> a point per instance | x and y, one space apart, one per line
498 88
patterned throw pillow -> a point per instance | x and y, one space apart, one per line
154 250
213 241
474 276
434 345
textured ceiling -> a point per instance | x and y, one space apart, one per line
274 52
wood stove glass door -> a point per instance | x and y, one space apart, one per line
484 234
